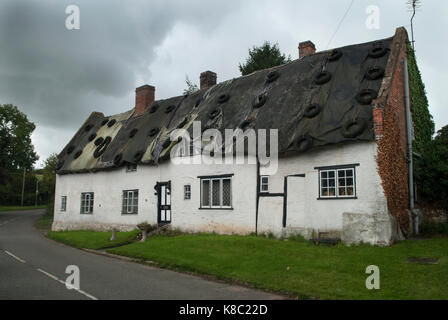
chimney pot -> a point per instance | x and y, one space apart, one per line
144 97
306 48
207 79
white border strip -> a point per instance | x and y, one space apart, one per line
60 281
14 256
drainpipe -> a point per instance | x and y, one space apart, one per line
409 142
257 202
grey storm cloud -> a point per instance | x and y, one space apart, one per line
57 73
59 76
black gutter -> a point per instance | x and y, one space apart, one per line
229 175
285 200
258 196
266 194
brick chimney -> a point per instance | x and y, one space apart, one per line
144 96
306 48
207 79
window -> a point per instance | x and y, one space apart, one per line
264 184
63 203
346 183
337 183
131 168
187 192
130 202
87 202
216 192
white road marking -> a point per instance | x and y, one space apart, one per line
51 276
14 256
60 281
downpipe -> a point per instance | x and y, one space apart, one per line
409 143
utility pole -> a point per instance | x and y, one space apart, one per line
23 186
414 5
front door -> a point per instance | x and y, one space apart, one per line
164 202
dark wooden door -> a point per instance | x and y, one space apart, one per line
164 202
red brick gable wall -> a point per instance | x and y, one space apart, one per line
390 129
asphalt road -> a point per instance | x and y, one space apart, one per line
33 267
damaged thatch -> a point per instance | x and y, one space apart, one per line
315 101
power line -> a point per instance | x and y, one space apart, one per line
340 23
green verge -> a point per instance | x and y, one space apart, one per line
302 269
92 239
44 223
19 208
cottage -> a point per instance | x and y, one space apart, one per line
340 153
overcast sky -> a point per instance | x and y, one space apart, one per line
58 76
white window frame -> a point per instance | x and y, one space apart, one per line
202 193
128 206
187 192
336 183
264 184
63 203
131 168
87 201
221 192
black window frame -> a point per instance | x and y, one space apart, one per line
265 184
63 203
125 205
336 178
187 193
132 167
91 202
211 179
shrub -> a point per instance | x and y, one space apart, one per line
144 226
429 228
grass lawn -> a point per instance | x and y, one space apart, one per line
302 269
19 208
91 239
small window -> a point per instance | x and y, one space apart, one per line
264 184
187 192
87 202
131 168
130 202
337 183
63 203
216 193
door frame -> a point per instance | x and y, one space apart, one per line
167 185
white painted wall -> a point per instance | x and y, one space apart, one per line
305 212
297 206
270 215
109 185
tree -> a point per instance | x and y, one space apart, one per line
191 86
48 181
424 127
11 189
16 149
263 57
422 118
434 175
